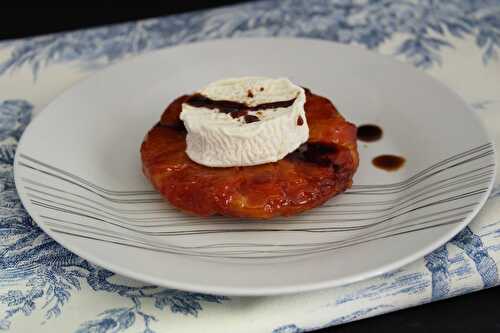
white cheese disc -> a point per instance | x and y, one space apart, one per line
217 139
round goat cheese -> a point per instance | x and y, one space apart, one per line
245 121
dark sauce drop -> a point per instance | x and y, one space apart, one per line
251 118
369 133
237 114
316 153
300 121
388 162
198 100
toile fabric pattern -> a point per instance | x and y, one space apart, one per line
45 287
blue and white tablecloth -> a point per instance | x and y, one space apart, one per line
44 287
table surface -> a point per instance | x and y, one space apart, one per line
467 313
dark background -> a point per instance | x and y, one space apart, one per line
22 22
478 312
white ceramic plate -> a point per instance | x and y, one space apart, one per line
78 172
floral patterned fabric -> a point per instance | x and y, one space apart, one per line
44 287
